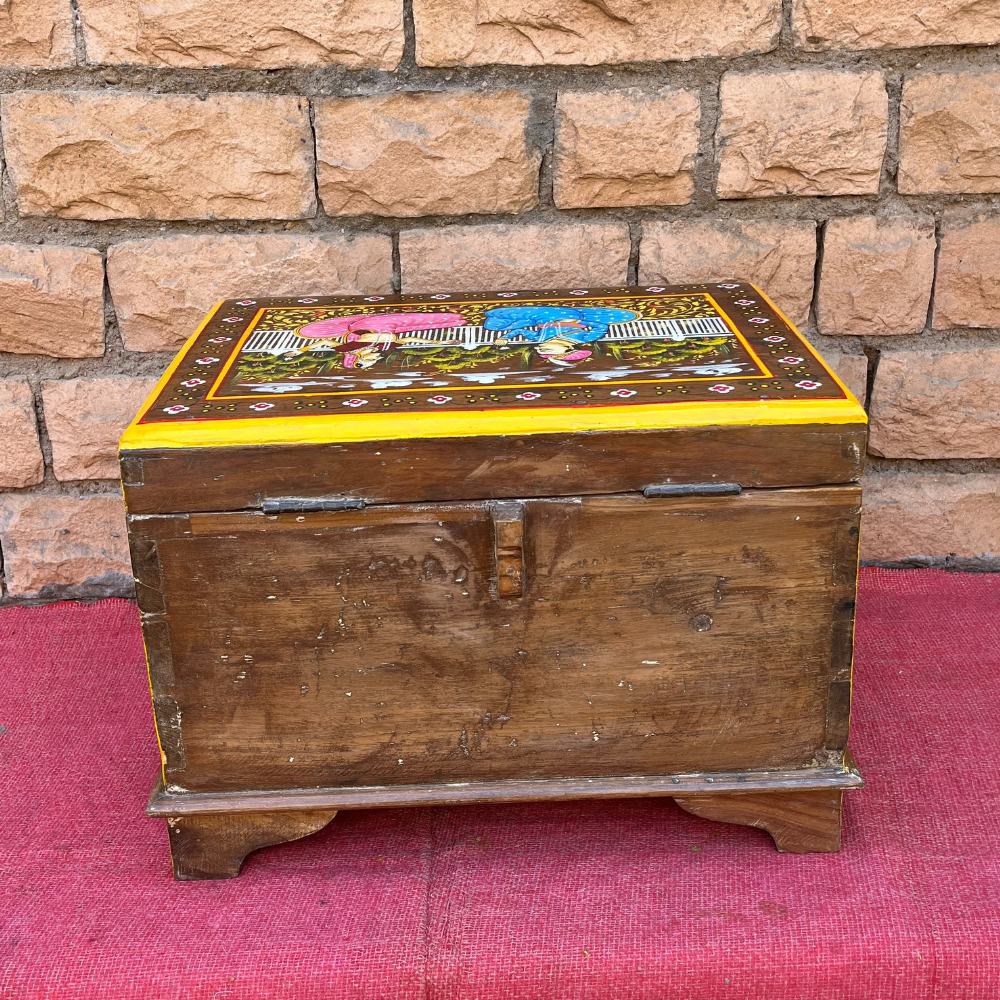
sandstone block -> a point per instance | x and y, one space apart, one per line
779 257
801 132
265 35
936 404
410 154
51 301
851 369
949 134
930 514
967 292
473 258
162 288
64 547
36 33
625 148
110 155
85 418
561 32
21 462
876 276
861 24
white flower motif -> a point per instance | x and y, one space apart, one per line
529 395
721 387
656 288
205 361
439 399
355 402
727 286
233 319
579 291
247 302
807 384
261 406
623 393
790 360
759 319
775 339
219 340
308 301
441 295
374 298
746 302
192 382
507 295
176 408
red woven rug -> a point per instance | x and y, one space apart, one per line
586 901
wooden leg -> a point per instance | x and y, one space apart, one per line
799 822
214 845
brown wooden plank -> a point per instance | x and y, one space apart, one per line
439 469
355 648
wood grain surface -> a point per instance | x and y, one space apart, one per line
536 465
372 648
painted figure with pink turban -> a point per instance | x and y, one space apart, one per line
362 340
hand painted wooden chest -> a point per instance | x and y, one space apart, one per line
406 550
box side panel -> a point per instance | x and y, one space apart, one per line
365 648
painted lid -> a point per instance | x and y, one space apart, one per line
324 369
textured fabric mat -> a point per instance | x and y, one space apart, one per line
581 901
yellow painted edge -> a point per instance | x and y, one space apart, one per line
165 377
152 700
172 367
328 429
805 340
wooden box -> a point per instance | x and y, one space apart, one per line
406 550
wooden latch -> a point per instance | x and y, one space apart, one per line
508 522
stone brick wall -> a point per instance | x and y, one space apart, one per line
845 154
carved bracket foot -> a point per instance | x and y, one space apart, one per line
800 822
214 845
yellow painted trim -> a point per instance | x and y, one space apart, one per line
354 427
234 355
746 345
152 701
802 337
142 412
171 368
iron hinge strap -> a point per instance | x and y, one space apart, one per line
692 490
306 505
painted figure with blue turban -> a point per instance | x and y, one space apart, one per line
557 331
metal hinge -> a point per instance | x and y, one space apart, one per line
692 490
307 505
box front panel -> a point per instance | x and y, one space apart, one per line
373 647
